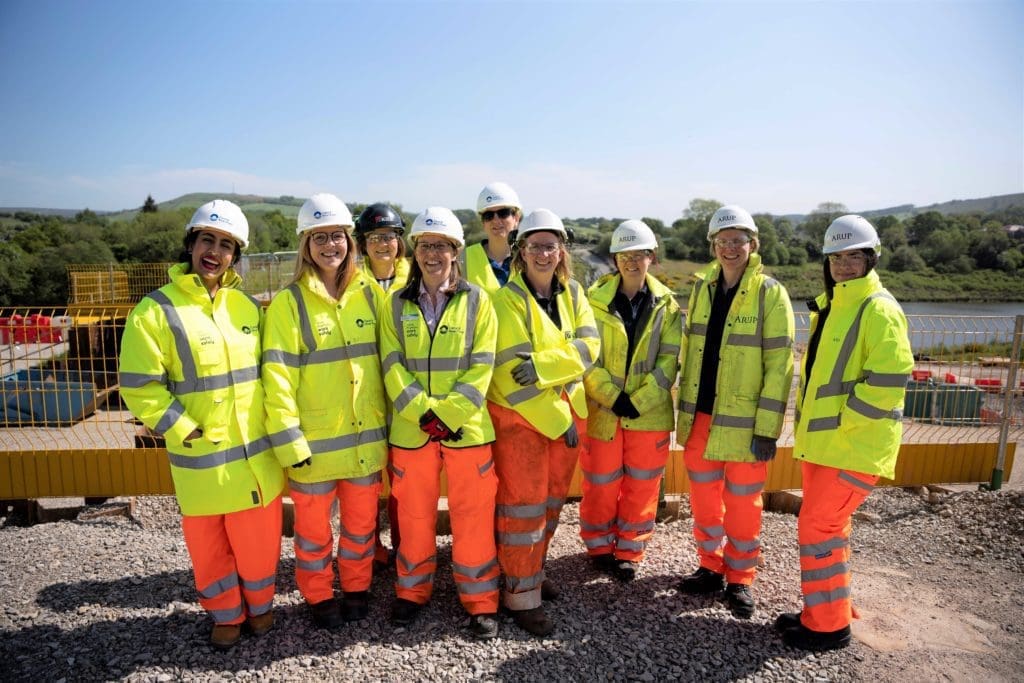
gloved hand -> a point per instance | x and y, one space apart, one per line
456 435
432 425
303 463
526 372
763 448
572 437
623 407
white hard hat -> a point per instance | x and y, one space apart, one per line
730 216
541 219
850 232
633 235
438 220
322 210
220 214
497 194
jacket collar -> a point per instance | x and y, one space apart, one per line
192 285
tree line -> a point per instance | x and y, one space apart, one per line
36 249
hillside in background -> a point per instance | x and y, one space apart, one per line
289 206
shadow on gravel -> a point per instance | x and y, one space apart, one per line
152 590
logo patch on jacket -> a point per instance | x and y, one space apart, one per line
454 329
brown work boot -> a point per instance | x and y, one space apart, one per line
260 624
533 621
225 636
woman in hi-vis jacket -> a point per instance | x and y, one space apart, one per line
325 400
437 344
630 403
736 376
547 340
189 369
849 412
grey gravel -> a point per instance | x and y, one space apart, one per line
938 578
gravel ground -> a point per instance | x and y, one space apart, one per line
938 579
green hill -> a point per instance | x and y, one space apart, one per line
249 203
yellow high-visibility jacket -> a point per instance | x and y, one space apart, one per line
323 382
850 409
561 356
447 372
755 370
478 269
402 269
649 379
188 361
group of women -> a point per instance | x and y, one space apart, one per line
493 363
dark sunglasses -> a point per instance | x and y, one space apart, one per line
500 213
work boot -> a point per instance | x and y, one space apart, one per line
225 636
483 626
741 602
404 611
625 570
603 563
701 582
549 591
804 638
533 621
260 624
787 620
355 605
326 614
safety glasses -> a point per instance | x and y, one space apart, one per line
502 213
322 238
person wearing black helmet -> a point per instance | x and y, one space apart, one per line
378 232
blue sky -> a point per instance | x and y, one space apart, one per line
587 108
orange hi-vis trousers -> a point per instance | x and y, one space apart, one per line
534 473
831 496
234 560
621 481
472 484
725 498
314 540
380 552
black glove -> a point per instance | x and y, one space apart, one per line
526 372
303 463
763 448
456 435
623 407
572 437
432 425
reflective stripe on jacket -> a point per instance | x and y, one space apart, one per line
648 381
755 370
188 361
402 269
561 356
323 383
447 372
478 269
850 410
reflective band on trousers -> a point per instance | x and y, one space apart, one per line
743 489
745 546
313 565
306 545
521 584
849 478
601 479
258 584
263 608
475 587
639 527
823 597
474 572
825 572
521 511
219 586
823 548
414 580
644 475
705 477
596 528
522 539
222 616
740 564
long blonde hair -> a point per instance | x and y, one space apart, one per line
304 262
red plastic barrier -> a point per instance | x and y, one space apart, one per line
921 375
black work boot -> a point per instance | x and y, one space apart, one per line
625 570
741 602
533 621
603 563
804 638
483 626
404 611
787 620
355 605
701 582
326 614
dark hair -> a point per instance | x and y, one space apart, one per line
189 242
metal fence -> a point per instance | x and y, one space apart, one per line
59 385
